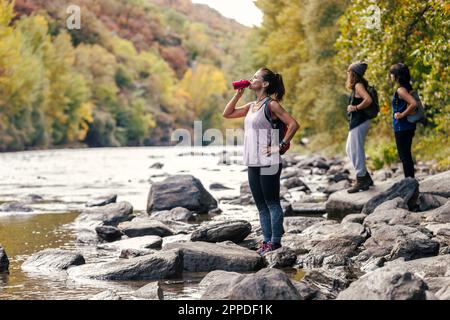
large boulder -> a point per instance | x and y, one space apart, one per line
392 212
342 203
330 230
234 230
438 184
176 214
49 260
180 191
216 285
281 258
266 284
145 227
385 284
111 214
429 267
204 256
331 253
159 265
397 241
4 261
407 189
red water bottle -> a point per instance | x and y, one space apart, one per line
240 84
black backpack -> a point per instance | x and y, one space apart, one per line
276 124
374 108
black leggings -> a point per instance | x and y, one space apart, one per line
403 139
265 189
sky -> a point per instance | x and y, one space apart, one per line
243 11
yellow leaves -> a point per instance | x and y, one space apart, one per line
201 83
6 15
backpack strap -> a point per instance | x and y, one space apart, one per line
267 112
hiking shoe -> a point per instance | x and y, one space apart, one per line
369 179
262 248
362 184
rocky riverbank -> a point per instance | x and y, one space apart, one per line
391 242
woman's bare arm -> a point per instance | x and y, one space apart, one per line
283 115
231 111
412 103
362 92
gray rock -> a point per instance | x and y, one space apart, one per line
145 242
4 261
176 214
235 230
294 182
133 253
439 215
301 208
298 224
438 184
218 186
180 191
384 284
407 189
111 214
382 175
205 256
217 284
396 241
108 295
14 207
160 265
391 213
328 230
429 267
108 233
266 284
145 227
157 165
50 260
151 291
102 200
176 239
281 258
321 284
342 203
429 201
355 218
331 252
337 186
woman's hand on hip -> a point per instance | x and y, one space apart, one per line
268 150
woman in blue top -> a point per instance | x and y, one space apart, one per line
403 104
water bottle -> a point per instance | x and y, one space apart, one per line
240 84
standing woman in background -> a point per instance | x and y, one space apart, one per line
260 151
359 124
403 104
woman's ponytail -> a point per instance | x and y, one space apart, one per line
276 84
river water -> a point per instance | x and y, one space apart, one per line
64 180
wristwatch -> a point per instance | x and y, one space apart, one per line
282 145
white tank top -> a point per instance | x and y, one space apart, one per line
258 134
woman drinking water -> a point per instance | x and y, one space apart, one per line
262 152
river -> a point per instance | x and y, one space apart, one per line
65 179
